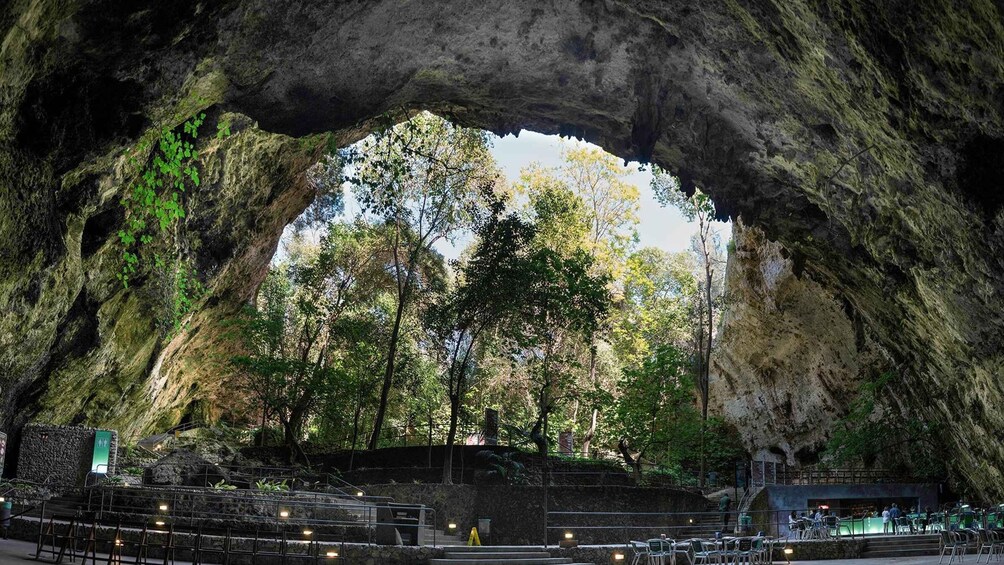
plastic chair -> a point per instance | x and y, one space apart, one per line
951 544
997 535
701 551
986 543
744 551
640 550
657 551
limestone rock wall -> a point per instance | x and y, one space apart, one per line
790 356
867 138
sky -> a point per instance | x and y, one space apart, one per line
662 227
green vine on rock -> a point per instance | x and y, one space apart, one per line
154 209
155 203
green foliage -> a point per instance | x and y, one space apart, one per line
272 486
155 202
154 208
655 407
873 434
222 485
504 468
133 471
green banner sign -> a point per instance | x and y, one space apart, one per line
102 450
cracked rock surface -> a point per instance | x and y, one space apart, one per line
865 138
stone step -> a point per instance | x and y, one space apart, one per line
479 560
901 546
492 548
497 554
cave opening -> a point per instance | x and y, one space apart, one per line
632 222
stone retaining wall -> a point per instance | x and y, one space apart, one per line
517 513
59 455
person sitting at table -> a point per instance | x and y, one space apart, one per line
792 521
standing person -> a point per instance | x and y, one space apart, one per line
925 520
885 520
894 514
723 508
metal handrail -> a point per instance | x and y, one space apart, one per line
300 510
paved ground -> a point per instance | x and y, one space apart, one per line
878 561
16 552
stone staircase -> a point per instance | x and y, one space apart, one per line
901 546
499 555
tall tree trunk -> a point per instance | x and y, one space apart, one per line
388 376
451 437
706 365
430 440
355 431
700 383
264 418
591 432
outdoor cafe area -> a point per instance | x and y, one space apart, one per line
722 550
833 524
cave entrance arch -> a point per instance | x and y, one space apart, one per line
846 134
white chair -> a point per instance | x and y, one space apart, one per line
640 550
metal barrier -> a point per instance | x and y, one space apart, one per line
75 538
252 509
764 473
611 527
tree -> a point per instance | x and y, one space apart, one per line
489 292
288 358
565 302
658 292
697 206
423 178
654 413
586 205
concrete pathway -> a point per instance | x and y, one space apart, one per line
17 552
928 560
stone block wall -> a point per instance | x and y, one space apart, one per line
518 513
59 455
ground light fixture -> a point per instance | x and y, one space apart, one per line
159 522
162 507
787 554
359 493
307 532
452 527
284 513
569 541
569 535
618 557
331 554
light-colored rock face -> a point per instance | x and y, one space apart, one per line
866 138
789 358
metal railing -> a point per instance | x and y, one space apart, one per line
615 527
765 473
244 510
